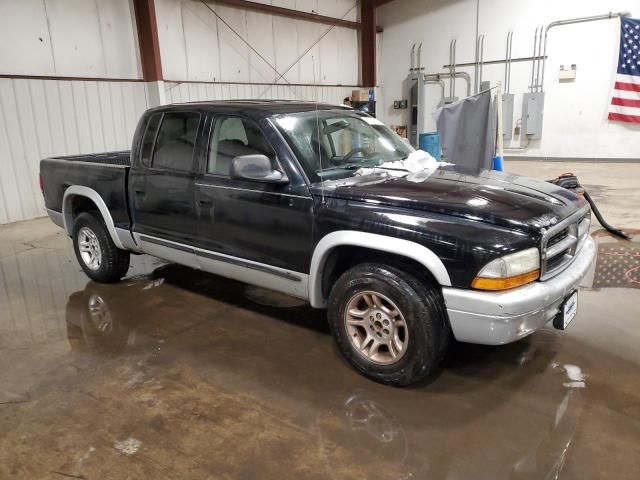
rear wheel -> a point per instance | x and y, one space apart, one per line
388 324
98 256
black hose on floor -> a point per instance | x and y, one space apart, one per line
603 222
570 182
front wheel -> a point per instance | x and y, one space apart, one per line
389 326
98 256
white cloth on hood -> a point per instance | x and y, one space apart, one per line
418 161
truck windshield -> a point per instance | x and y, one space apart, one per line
334 144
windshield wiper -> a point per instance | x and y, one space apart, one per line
347 166
366 164
399 169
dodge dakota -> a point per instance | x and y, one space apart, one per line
318 202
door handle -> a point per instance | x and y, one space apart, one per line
139 192
205 202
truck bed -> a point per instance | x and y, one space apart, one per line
121 157
105 173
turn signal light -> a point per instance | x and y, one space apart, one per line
481 283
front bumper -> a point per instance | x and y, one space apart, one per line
496 318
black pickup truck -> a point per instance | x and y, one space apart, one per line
319 202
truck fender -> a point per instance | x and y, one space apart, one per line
91 194
373 241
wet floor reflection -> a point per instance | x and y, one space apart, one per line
515 397
174 373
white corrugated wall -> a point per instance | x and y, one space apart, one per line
209 42
195 92
207 57
44 118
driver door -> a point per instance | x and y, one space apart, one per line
238 219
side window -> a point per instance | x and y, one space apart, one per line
176 141
232 137
148 138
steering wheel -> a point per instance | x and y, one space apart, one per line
348 156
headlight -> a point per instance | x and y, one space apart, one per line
509 271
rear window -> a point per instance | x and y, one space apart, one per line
148 138
176 141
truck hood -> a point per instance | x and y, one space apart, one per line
498 198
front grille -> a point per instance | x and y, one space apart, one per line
555 262
558 237
562 242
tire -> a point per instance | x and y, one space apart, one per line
92 240
420 334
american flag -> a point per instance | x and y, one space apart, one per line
625 104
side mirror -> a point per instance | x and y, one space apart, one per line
256 168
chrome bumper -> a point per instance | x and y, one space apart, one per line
495 318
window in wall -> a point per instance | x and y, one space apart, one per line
176 141
233 137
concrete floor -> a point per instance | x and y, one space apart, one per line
179 374
613 186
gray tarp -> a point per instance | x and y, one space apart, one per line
466 129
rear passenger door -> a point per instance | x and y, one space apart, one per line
162 181
265 223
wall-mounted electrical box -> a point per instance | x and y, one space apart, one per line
416 95
398 104
567 74
532 110
507 115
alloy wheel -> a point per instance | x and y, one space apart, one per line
376 327
89 248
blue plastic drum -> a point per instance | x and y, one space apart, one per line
430 143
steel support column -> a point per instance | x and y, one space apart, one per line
368 42
145 12
149 45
